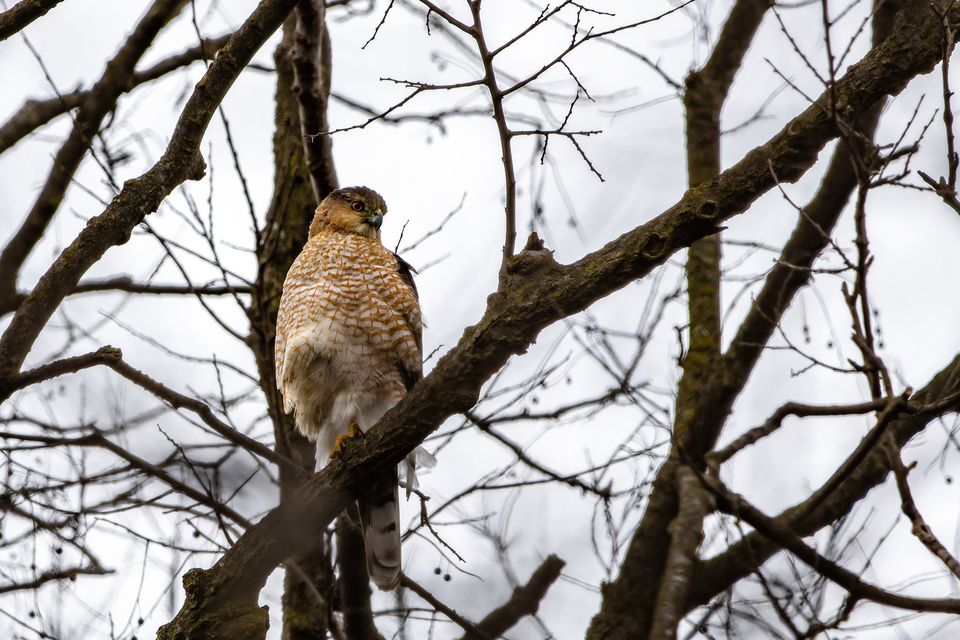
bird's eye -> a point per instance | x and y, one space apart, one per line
356 206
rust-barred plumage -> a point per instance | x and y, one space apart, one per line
348 347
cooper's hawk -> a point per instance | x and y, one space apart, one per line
349 347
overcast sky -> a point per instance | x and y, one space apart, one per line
423 173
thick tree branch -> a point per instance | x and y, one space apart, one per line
642 589
536 292
310 56
284 234
354 581
525 600
438 605
103 355
139 196
23 13
700 419
811 235
686 534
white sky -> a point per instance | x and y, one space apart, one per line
423 174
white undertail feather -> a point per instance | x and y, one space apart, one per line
380 522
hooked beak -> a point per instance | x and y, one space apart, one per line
375 221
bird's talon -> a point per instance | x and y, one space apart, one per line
354 432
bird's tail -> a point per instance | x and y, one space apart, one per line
380 521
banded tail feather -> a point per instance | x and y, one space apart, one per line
380 523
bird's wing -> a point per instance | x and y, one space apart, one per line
412 371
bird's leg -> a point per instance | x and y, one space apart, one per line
354 432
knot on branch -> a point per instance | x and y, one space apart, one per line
534 243
108 352
198 168
534 258
654 246
708 210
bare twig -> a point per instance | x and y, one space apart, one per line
920 528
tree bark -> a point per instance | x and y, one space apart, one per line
283 236
539 291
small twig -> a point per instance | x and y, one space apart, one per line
379 24
203 410
416 243
425 520
408 583
776 420
737 506
920 529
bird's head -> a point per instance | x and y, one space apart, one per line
351 210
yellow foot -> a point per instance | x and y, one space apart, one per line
354 432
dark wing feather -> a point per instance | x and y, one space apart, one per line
406 271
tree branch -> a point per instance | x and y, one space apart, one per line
525 600
283 236
354 581
920 529
737 506
638 597
203 410
311 58
139 196
36 113
716 574
702 417
22 14
686 534
101 100
53 575
103 355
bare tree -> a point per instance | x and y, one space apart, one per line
127 470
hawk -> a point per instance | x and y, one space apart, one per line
349 347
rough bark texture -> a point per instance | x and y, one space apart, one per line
22 14
284 234
686 534
791 273
702 412
311 57
538 291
